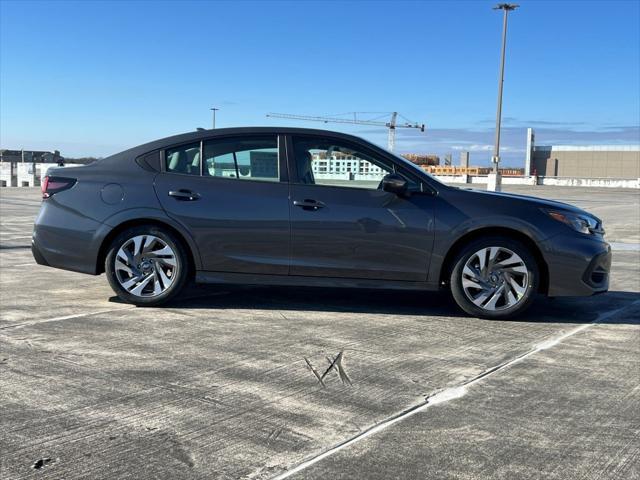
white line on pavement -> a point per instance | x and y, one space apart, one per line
625 247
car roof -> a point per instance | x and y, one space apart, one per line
202 134
205 134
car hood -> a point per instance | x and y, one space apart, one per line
535 201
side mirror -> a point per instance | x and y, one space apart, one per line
394 183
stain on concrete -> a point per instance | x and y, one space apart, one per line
41 463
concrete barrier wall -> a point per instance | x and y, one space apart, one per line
558 181
368 177
7 175
453 178
590 182
28 174
331 176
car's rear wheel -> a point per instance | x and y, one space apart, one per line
494 278
146 265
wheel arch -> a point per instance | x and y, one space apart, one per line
458 245
138 222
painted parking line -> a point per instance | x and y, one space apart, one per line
450 393
625 247
15 238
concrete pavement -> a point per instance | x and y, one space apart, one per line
566 412
220 384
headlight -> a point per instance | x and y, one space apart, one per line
580 223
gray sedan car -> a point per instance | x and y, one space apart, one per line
290 206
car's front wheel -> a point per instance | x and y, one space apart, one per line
494 278
146 265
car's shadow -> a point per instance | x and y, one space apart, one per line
388 302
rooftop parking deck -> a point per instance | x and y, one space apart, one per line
221 383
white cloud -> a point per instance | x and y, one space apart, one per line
473 148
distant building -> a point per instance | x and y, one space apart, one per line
343 164
21 168
19 156
587 161
422 159
594 161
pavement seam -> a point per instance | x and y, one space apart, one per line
58 319
450 393
90 314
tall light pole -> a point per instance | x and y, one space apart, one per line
495 185
214 110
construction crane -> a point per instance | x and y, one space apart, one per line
392 124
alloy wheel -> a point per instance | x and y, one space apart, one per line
495 278
146 266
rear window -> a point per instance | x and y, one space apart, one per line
150 161
184 159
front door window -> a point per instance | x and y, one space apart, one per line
331 162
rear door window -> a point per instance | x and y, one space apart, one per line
245 158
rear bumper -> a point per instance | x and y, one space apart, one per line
65 239
578 265
37 255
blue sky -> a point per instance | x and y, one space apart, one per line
93 78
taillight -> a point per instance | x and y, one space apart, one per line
51 185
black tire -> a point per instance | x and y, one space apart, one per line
523 300
179 274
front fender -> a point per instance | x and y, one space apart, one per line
448 237
496 221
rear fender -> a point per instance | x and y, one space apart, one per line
140 216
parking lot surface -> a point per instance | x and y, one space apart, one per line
221 383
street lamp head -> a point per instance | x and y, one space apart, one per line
214 110
506 6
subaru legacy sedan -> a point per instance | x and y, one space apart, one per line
291 206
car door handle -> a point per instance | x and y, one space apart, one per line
184 195
308 204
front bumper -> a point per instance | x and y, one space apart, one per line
577 265
596 275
